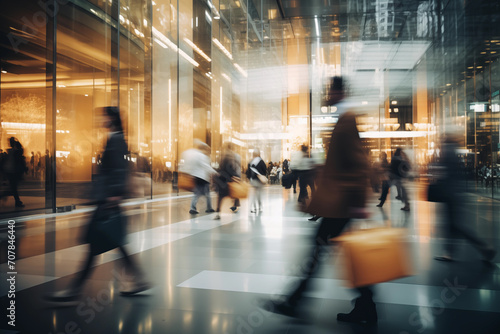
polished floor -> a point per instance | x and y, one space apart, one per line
210 275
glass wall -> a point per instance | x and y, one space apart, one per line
242 71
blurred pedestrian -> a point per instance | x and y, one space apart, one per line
14 168
452 183
230 167
110 190
256 172
341 195
383 171
197 164
303 167
400 168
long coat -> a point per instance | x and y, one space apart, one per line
343 180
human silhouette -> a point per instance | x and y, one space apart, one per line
109 191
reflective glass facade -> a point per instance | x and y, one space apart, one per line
245 71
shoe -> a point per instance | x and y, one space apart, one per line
364 312
380 198
235 209
193 212
64 296
217 217
20 205
379 205
209 210
283 308
138 287
406 208
444 258
314 218
398 197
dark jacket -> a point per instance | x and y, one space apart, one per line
260 166
113 171
342 183
230 166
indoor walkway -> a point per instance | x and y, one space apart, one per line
210 275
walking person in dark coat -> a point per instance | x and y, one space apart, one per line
110 190
230 167
14 168
346 172
383 171
454 225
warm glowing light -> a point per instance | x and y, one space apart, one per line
169 115
197 49
222 48
220 103
242 71
167 42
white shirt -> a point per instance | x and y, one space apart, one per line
196 164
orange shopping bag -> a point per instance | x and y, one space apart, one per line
374 255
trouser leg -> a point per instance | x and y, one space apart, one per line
328 228
206 192
385 191
85 272
131 265
197 193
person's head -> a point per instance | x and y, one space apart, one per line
383 156
334 91
113 120
256 153
304 148
398 152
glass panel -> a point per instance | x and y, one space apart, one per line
135 89
24 103
164 75
84 83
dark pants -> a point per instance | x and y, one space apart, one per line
328 228
385 191
306 178
455 227
87 268
14 184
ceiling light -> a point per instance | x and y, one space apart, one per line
394 102
4 71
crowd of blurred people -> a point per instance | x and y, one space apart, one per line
334 191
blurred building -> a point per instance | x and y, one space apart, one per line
250 72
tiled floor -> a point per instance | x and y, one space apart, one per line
210 275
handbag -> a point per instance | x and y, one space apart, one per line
436 192
185 182
107 229
237 188
374 255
